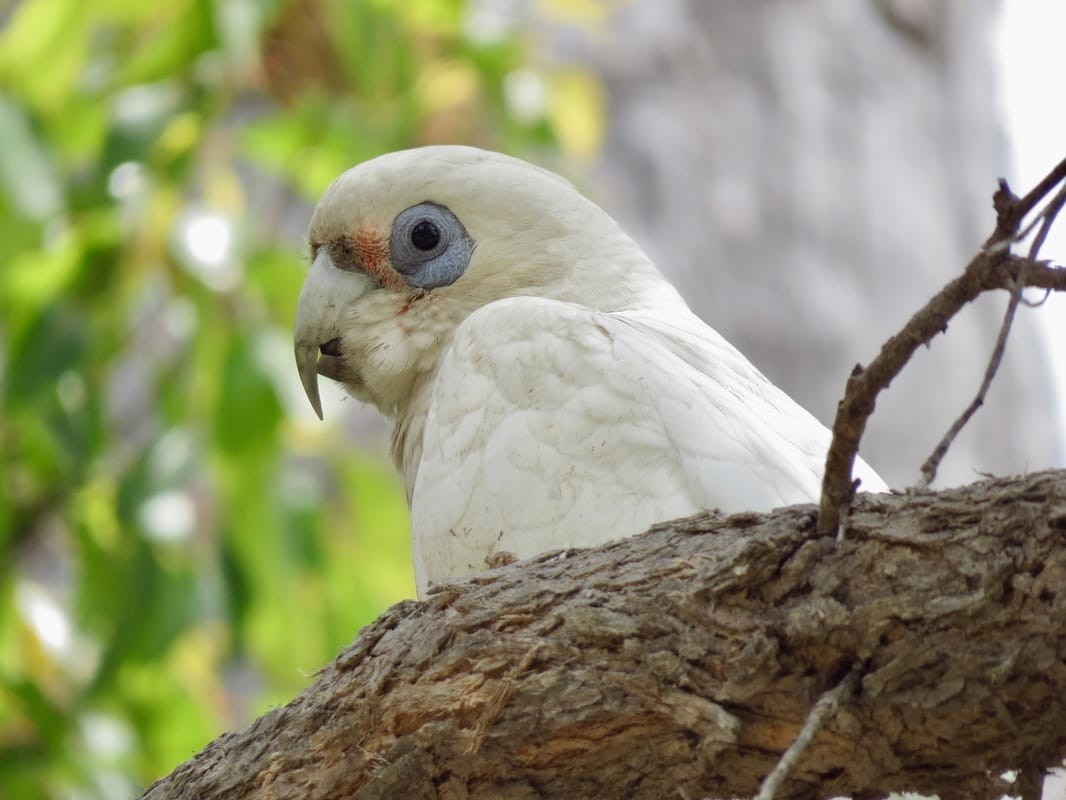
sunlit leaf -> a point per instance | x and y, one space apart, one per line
577 113
178 33
35 278
43 48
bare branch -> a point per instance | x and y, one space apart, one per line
1010 216
1048 216
995 267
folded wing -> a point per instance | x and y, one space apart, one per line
551 425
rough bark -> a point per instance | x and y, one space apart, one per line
683 662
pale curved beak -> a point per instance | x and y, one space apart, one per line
326 294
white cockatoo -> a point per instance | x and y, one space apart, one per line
548 387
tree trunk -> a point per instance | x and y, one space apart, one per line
683 662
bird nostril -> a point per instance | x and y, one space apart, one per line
330 348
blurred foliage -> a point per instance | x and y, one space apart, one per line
183 542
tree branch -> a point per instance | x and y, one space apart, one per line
995 267
683 663
1047 219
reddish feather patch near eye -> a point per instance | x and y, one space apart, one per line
372 253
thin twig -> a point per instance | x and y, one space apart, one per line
1036 303
931 464
1010 210
824 710
1021 209
1048 215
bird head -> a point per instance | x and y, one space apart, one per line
404 247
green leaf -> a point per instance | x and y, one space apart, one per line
27 174
54 343
248 410
43 48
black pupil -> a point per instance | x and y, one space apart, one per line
425 235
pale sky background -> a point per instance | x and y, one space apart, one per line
1033 97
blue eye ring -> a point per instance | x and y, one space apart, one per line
429 246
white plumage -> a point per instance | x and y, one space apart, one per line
549 387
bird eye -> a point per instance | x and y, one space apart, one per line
429 245
425 235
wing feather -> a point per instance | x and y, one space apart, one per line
551 425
